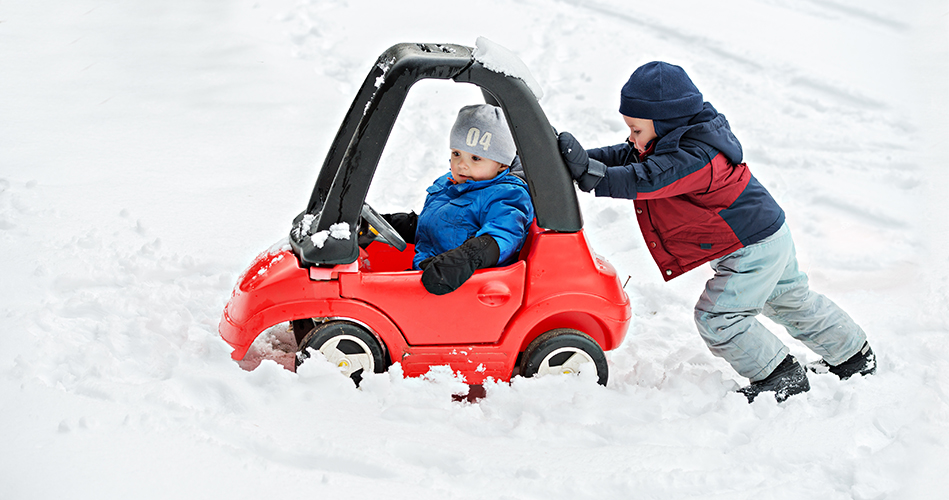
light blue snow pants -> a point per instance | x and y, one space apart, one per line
764 278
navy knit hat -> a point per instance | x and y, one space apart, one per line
660 91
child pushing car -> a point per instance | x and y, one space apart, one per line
475 216
697 202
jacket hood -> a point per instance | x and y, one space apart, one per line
708 126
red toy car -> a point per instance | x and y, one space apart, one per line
555 310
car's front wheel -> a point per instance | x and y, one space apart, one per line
564 351
348 346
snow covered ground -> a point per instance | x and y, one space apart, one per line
149 150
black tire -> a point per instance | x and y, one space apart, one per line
347 345
564 351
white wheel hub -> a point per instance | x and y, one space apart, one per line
348 363
577 361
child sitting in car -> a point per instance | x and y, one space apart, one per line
475 216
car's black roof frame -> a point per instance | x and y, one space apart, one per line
354 154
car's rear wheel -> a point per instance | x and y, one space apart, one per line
348 346
564 351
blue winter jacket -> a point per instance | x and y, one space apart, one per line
453 213
695 200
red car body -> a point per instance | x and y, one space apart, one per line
478 330
482 329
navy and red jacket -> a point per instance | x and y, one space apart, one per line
695 200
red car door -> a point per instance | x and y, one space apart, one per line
475 313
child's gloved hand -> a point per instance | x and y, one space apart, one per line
587 172
404 223
573 154
447 271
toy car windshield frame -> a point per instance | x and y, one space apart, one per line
350 164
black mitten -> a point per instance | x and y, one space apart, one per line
404 223
447 271
573 154
585 171
596 171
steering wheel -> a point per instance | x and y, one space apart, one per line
380 229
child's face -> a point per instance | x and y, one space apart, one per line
468 167
641 131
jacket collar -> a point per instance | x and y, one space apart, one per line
445 182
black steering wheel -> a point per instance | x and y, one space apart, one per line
380 229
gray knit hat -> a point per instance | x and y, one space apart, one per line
482 130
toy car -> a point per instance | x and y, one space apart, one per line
555 310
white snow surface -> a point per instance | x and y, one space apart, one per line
149 150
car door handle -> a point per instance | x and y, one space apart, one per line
494 294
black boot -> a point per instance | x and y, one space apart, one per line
786 380
862 363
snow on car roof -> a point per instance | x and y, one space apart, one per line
499 59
